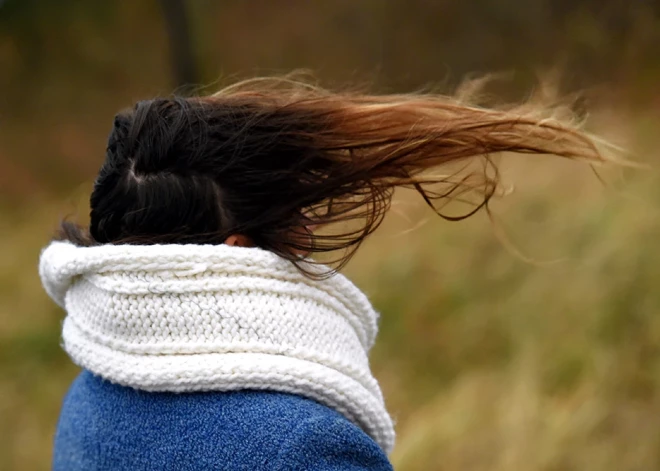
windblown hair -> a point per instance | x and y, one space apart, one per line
270 158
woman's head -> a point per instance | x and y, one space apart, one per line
264 161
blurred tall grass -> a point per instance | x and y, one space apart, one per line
488 362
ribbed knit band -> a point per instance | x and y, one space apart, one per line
217 318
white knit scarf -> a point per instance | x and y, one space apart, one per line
187 318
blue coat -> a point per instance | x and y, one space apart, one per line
104 426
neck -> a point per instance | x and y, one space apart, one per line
190 318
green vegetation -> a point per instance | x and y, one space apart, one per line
488 362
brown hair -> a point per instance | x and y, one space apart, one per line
268 158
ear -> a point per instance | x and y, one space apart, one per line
238 240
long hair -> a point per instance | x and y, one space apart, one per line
272 158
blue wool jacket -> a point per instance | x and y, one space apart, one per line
104 426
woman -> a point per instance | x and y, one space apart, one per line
207 336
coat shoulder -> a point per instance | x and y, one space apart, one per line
107 426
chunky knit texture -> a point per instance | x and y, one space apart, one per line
183 318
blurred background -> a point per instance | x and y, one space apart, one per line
488 362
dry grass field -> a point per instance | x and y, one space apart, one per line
489 362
